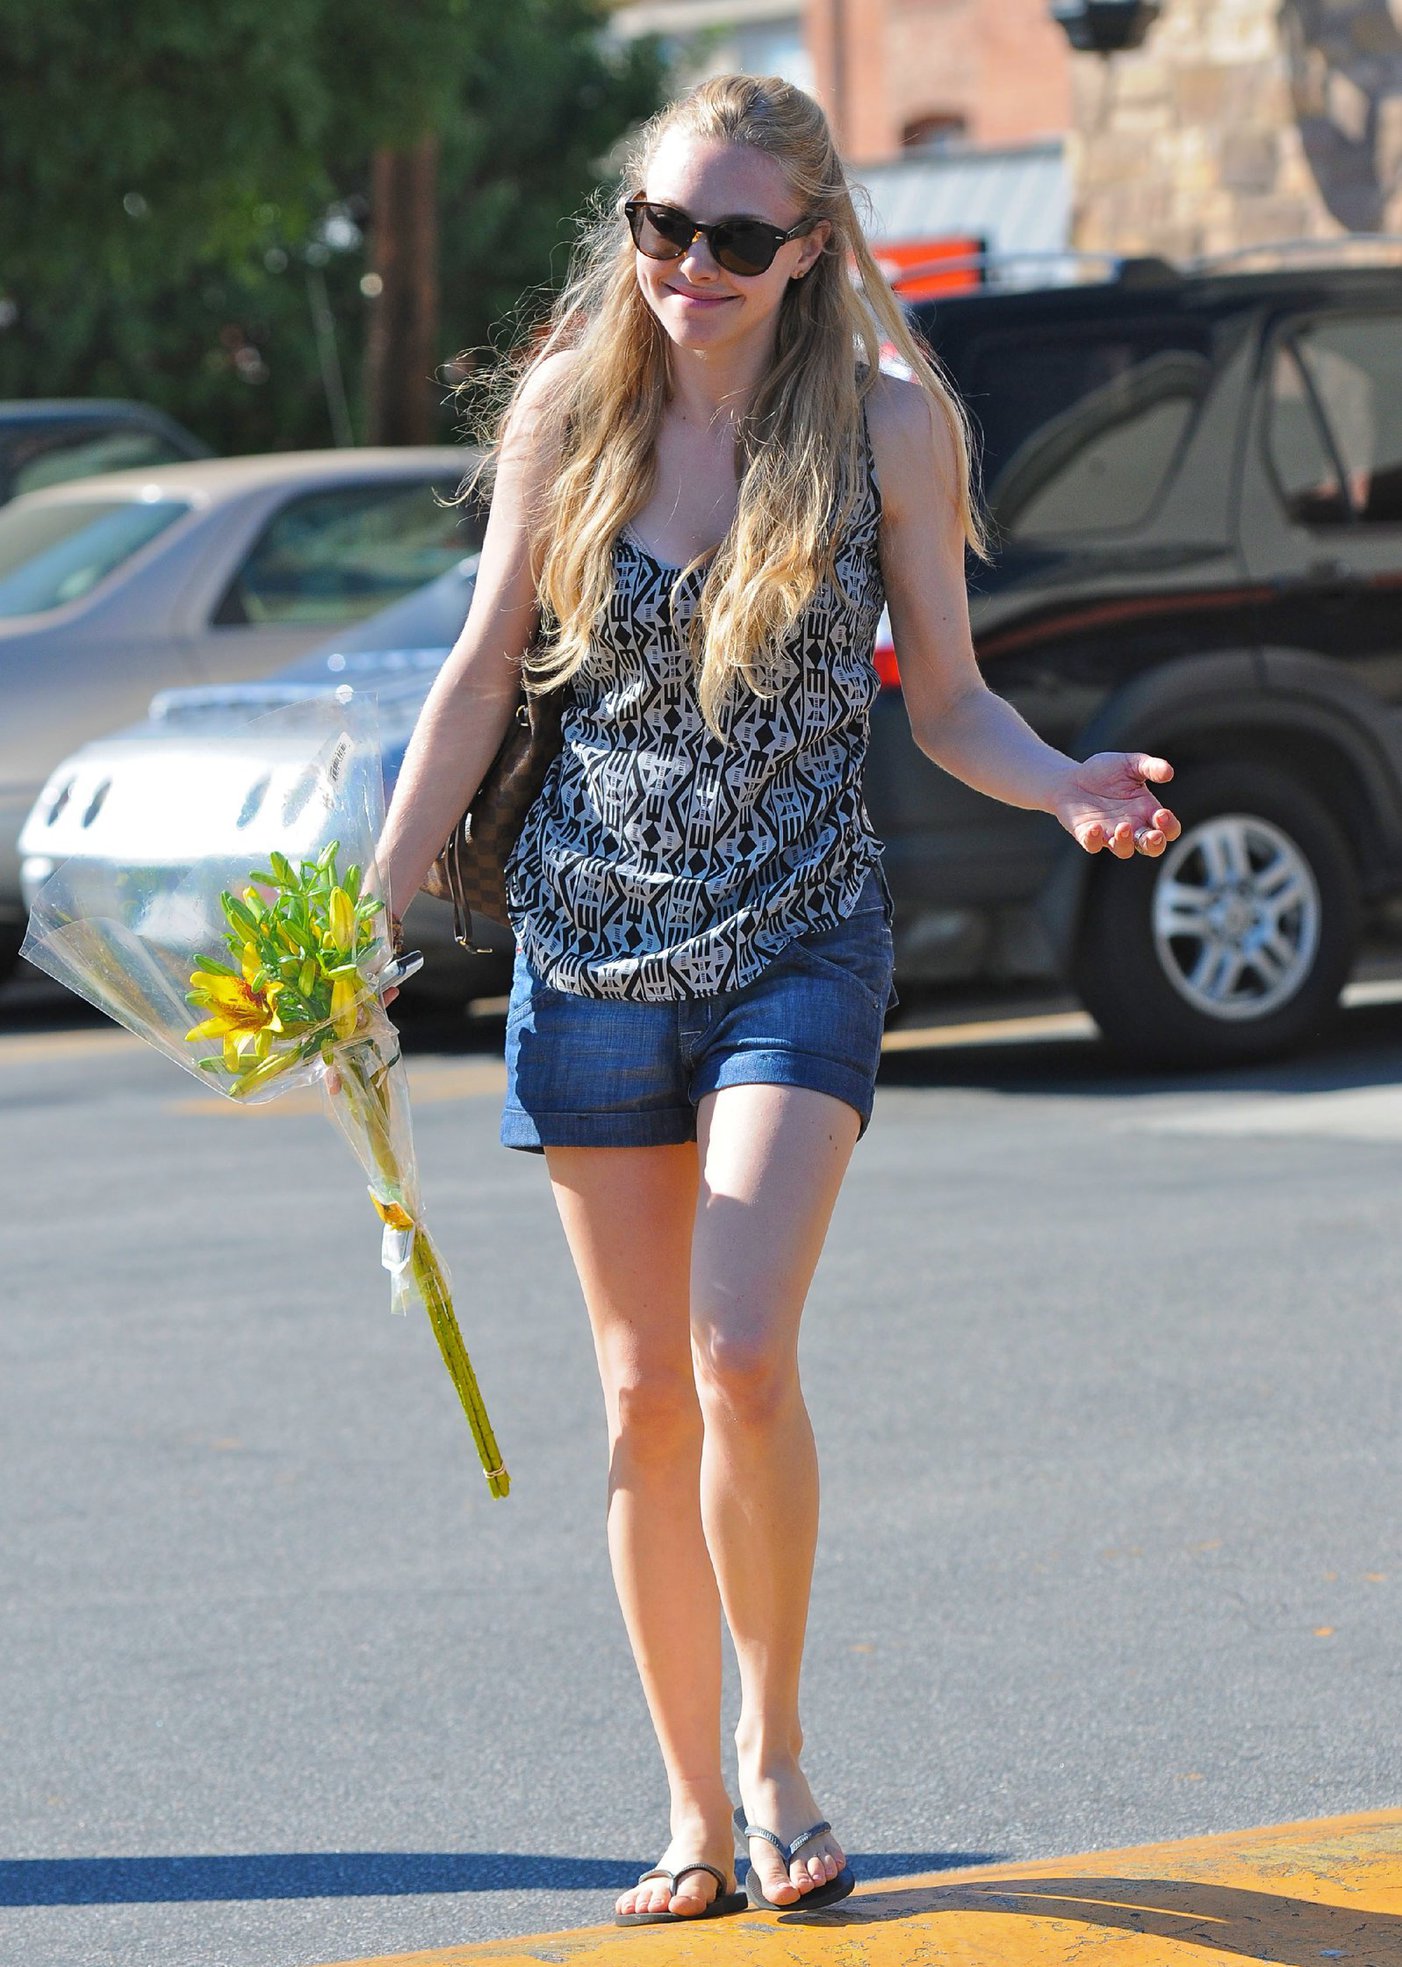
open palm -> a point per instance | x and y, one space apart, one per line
1110 802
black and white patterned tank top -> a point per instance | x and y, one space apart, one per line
660 862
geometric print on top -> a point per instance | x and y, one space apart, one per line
658 861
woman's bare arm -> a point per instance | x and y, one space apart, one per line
466 713
954 717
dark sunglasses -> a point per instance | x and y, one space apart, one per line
743 246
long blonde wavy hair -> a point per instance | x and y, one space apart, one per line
801 442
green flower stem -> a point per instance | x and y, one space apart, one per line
433 1289
370 1102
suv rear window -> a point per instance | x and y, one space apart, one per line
1080 427
58 452
1336 421
53 554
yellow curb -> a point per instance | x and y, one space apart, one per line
1329 1889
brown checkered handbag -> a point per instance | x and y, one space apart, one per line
471 870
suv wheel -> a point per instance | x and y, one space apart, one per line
11 936
1236 942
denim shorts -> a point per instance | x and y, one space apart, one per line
606 1072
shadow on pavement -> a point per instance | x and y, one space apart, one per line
1250 1925
357 1874
1361 1047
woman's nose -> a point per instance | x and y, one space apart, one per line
697 255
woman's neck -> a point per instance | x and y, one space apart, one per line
714 386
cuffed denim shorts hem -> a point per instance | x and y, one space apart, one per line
537 1131
633 1073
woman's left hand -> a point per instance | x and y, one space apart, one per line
1109 802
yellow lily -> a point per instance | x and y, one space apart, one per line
342 912
239 1011
345 1007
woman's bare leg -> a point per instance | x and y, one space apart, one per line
772 1161
628 1216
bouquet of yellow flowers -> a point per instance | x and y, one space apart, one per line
283 962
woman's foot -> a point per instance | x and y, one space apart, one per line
696 1836
780 1800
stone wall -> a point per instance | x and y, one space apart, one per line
1242 122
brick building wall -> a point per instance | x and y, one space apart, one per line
1242 122
890 73
990 71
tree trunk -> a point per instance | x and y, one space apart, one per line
401 391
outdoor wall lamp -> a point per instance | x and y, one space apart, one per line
1105 27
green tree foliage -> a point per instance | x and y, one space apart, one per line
168 171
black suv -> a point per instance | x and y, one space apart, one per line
1195 479
46 442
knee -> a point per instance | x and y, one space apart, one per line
654 1415
743 1377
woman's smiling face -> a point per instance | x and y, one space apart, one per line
699 304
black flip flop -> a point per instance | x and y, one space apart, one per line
727 1900
814 1901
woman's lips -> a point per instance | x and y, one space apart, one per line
700 300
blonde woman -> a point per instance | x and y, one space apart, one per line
708 486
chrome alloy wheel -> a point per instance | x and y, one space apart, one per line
1236 916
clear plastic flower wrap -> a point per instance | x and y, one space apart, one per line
253 949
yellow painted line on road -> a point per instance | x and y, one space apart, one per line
1330 1889
21 1047
1044 1025
430 1080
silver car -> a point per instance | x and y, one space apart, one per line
114 587
197 770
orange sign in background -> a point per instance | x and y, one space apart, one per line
916 267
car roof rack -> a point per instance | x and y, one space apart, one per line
1004 271
1364 249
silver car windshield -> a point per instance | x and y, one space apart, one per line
53 554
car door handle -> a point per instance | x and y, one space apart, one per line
1326 580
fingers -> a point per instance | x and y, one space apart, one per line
1124 840
1118 840
1157 771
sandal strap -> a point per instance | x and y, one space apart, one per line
786 1851
700 1865
674 1877
808 1836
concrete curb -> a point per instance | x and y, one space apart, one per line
1327 1889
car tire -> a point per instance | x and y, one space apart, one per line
1236 942
11 936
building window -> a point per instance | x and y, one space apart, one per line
933 130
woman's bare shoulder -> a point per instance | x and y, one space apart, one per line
544 384
911 440
532 439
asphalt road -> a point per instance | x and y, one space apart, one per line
1105 1374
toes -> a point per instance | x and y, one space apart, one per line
809 1873
782 1888
652 1897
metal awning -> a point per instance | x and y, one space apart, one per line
1017 199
